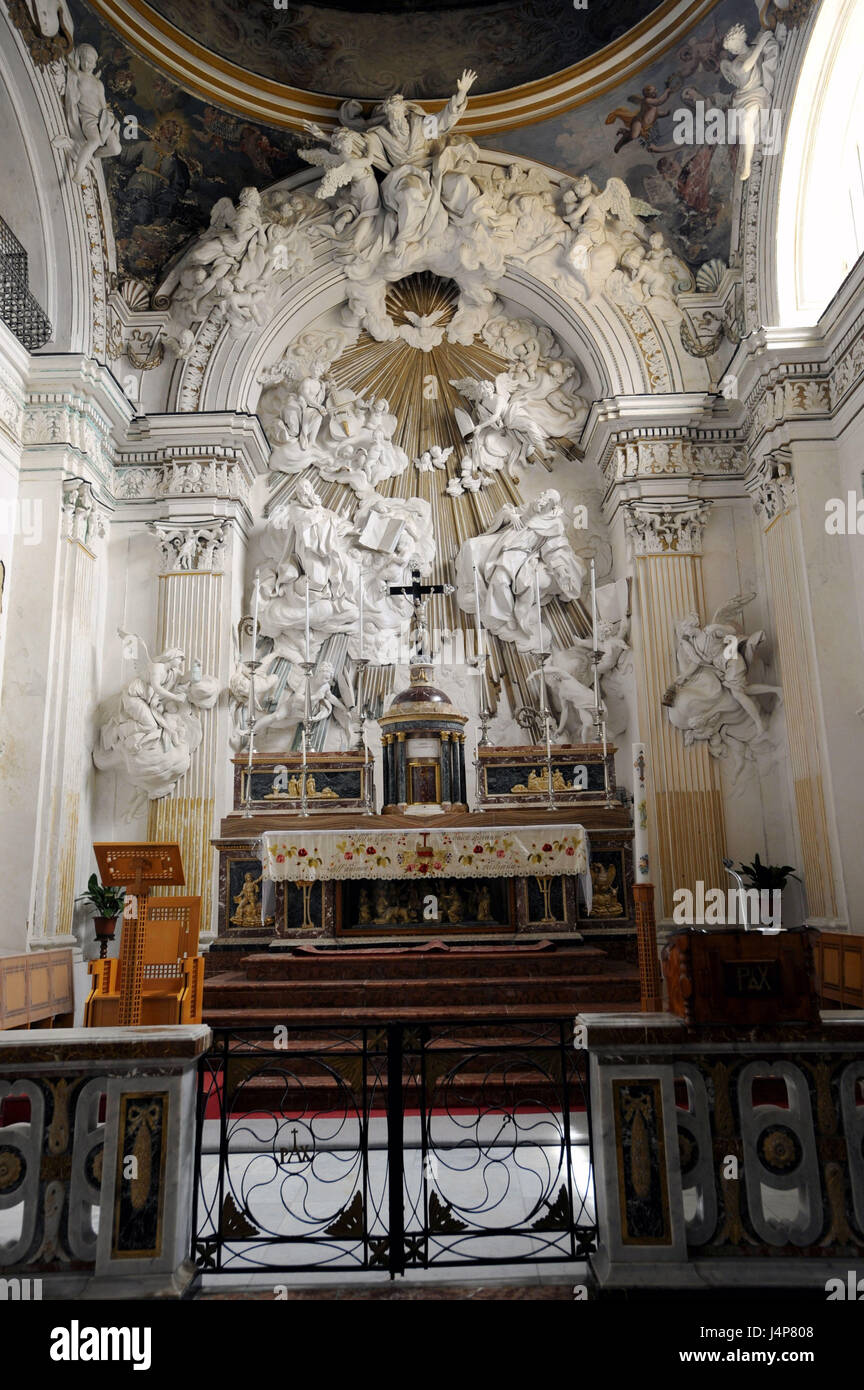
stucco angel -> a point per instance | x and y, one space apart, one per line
606 223
324 703
94 131
151 730
346 159
506 433
712 697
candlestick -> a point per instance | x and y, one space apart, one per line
478 620
304 790
307 620
539 613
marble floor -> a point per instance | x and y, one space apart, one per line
491 1176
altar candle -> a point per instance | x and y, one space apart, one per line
539 613
594 632
477 613
308 646
360 650
641 862
255 615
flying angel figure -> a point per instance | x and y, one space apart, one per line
345 158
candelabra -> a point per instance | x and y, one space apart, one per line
308 668
547 730
361 713
484 713
252 667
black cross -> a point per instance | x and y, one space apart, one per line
417 591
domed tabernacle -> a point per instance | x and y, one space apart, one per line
423 743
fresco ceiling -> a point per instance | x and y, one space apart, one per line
419 46
189 152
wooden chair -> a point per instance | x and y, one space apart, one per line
172 984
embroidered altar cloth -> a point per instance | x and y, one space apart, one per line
309 856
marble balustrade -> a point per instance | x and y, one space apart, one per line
720 1159
99 1122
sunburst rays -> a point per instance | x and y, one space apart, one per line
416 384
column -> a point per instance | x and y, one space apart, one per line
51 662
385 769
444 763
458 745
194 613
775 500
399 754
666 539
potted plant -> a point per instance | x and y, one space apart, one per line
107 905
767 878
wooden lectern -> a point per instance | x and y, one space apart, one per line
159 976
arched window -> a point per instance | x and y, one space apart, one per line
820 228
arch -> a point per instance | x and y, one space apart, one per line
65 229
820 222
621 352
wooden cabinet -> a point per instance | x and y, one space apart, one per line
36 987
840 966
742 977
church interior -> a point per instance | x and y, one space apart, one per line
430 487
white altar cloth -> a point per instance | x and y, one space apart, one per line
311 856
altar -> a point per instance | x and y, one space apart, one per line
508 870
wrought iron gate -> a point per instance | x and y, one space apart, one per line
391 1148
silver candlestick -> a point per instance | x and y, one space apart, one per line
484 714
308 667
247 797
547 720
360 713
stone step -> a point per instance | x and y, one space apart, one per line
360 1016
570 989
299 1093
381 965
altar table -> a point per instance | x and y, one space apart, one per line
312 856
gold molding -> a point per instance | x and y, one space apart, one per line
260 99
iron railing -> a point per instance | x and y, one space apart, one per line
392 1148
19 310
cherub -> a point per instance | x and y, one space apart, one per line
636 124
433 457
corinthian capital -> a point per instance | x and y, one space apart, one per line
772 487
666 528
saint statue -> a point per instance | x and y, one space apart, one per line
523 548
248 901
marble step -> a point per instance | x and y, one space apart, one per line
622 986
298 1093
365 1016
395 964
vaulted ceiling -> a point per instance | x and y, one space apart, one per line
419 46
217 94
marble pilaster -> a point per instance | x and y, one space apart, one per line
775 501
666 541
